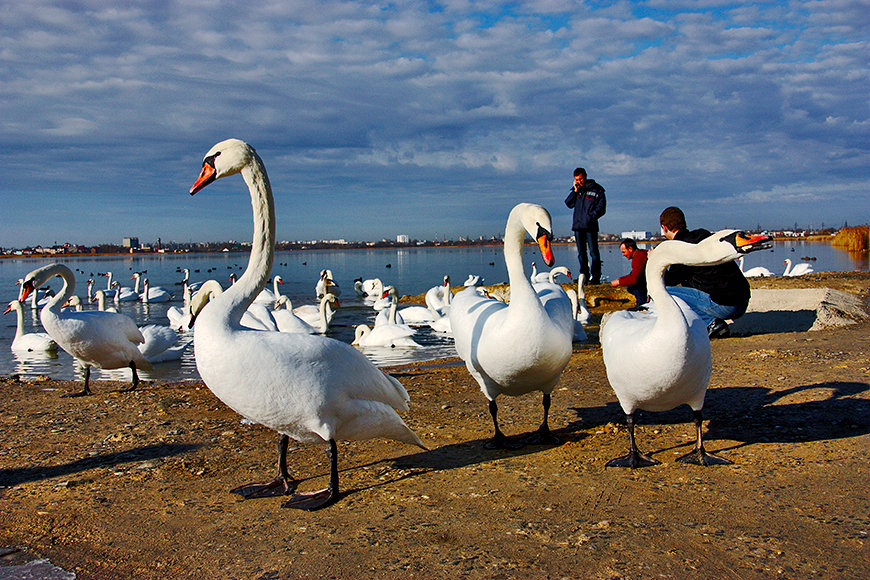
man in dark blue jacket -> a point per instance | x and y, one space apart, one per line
587 199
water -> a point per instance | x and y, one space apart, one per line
412 271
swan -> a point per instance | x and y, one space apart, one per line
756 272
308 387
358 287
75 303
438 298
661 359
473 280
373 288
326 284
579 334
310 313
161 344
540 277
390 335
798 270
100 299
256 317
125 293
582 315
270 297
31 341
289 321
180 317
392 315
90 289
515 348
154 294
191 286
107 340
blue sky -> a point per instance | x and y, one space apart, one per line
429 118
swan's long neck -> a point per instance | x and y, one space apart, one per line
324 323
137 277
514 236
69 286
19 320
242 293
108 280
787 267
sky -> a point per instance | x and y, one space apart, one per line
430 119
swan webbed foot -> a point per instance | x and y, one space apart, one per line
312 501
82 393
633 460
699 456
277 487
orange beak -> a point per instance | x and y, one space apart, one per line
546 248
206 176
26 290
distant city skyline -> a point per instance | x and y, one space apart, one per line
431 119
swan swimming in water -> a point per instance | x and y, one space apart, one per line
659 360
28 341
308 387
107 340
798 270
756 272
521 347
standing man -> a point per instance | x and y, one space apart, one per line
713 292
635 281
587 199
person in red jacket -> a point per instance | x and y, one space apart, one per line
634 281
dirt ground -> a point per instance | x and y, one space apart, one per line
135 485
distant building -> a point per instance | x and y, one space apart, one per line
402 239
637 235
131 243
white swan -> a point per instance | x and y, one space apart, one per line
270 297
289 321
326 285
515 348
256 317
389 335
756 272
661 359
798 270
100 299
473 280
438 298
579 334
107 340
304 386
540 277
154 293
391 314
373 288
582 315
161 344
125 293
28 341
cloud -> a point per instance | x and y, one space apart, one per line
475 103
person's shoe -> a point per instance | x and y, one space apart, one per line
718 329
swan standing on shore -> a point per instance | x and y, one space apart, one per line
304 386
438 298
107 340
661 359
521 347
28 341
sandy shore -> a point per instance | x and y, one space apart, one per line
123 485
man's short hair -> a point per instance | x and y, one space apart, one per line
673 219
580 171
628 243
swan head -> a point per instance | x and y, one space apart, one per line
727 245
537 222
208 290
226 158
361 331
39 277
14 305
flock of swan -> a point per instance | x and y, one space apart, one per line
311 388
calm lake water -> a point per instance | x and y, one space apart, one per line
411 271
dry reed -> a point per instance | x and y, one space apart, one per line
855 239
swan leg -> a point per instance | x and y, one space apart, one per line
543 436
498 441
283 484
634 458
698 455
325 497
134 382
87 389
